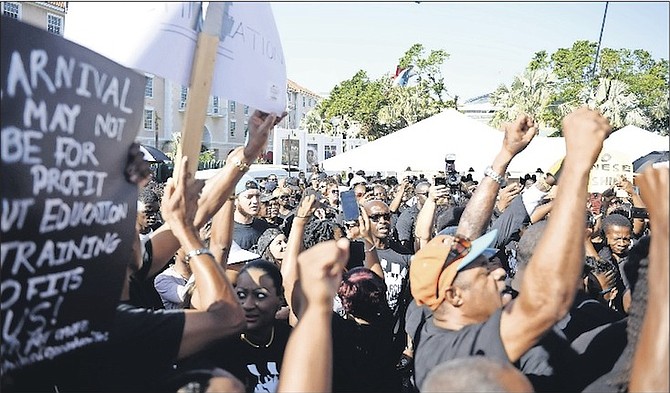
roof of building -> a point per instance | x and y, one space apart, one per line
296 87
59 4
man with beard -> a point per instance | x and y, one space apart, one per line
247 228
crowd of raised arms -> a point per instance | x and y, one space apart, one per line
269 285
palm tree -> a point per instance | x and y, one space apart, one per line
312 122
530 93
406 106
615 101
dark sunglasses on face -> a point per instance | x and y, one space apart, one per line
459 248
376 217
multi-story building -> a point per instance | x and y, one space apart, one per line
300 101
226 121
49 15
479 108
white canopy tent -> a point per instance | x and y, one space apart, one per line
423 146
636 142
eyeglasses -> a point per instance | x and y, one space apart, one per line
272 179
459 248
376 217
422 193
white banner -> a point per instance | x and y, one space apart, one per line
608 169
160 38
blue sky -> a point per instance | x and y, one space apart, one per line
488 42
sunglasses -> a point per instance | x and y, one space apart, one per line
459 248
376 217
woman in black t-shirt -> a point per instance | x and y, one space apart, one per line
363 351
254 356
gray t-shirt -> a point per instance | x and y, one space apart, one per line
406 222
437 345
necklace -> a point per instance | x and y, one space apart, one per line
246 340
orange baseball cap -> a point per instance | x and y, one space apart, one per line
426 273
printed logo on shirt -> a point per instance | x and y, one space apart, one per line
267 379
394 275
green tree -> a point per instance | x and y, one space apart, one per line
406 106
615 101
428 71
357 99
378 107
629 85
312 122
532 93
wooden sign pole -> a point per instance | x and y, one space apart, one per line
204 60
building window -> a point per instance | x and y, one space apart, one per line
232 106
149 87
55 24
148 119
182 97
216 105
246 110
246 128
303 101
289 96
233 125
12 10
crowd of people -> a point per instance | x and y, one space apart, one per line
263 285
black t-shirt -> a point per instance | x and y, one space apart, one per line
577 350
363 359
395 263
510 222
396 273
141 288
437 345
139 356
257 368
246 235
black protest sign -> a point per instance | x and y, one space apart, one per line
69 116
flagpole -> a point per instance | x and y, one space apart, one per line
204 60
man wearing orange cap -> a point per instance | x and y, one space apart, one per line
454 277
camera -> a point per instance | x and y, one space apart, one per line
453 178
440 181
639 212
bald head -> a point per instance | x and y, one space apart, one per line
475 374
374 205
421 192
